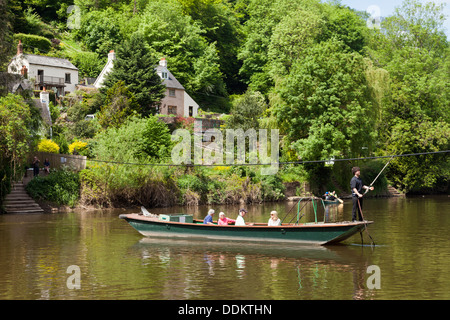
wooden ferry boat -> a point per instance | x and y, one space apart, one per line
184 226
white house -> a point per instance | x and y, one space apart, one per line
106 69
53 73
176 101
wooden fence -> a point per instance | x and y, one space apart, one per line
57 161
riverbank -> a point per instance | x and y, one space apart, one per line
103 186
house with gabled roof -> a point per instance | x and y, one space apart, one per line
52 73
176 100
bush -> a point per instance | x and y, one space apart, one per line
78 146
49 146
61 187
31 42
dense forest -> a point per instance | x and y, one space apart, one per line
334 85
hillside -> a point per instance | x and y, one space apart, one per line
332 84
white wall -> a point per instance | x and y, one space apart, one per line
16 65
188 101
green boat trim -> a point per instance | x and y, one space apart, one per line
307 233
325 202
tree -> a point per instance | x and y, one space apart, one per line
179 39
414 50
119 105
424 171
135 66
100 30
246 111
222 28
137 140
15 132
323 105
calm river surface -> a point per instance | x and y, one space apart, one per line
412 253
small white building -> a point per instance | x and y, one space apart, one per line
51 73
176 101
106 69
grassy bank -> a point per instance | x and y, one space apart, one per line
105 185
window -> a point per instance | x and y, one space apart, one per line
67 79
172 109
164 75
171 92
191 111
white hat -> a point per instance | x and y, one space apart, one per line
211 211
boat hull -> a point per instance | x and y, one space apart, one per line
314 233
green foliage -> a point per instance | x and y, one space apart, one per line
313 69
61 187
323 106
415 118
89 64
137 140
175 36
15 132
246 111
33 42
119 105
343 24
134 66
412 173
100 31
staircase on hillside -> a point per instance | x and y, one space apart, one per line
394 192
18 201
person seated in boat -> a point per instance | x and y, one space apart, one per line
274 220
208 219
329 196
223 221
240 219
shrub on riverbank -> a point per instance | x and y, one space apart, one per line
61 187
107 185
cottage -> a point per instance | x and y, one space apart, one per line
46 72
176 100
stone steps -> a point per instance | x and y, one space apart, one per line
394 192
19 202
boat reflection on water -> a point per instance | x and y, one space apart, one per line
314 267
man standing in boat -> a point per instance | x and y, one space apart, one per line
357 185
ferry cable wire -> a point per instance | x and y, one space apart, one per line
263 164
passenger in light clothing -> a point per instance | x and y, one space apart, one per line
240 219
274 220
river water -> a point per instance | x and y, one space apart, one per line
43 256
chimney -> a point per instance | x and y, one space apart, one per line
20 48
111 55
163 62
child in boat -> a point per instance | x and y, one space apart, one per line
274 220
223 221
